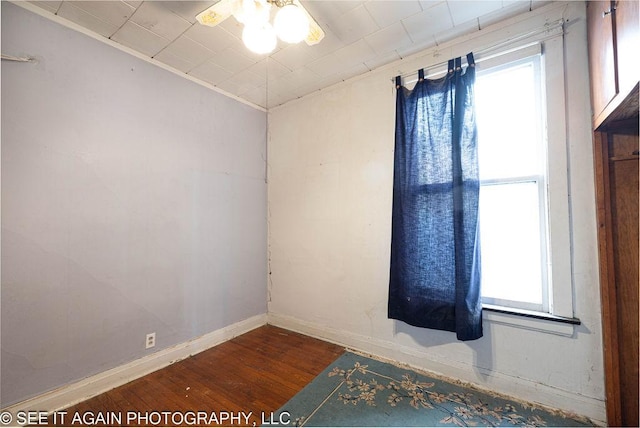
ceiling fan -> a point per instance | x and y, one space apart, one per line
292 23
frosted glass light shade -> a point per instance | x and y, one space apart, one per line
260 39
291 24
252 12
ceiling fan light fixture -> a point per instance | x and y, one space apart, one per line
252 12
259 38
291 24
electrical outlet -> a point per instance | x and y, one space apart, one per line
151 340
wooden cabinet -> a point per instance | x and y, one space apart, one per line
601 58
614 62
626 16
614 53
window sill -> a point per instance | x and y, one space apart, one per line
530 320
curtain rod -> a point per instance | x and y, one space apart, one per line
548 27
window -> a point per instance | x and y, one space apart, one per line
524 171
513 193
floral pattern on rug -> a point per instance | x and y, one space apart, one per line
465 411
360 391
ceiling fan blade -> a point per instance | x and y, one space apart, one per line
315 32
216 13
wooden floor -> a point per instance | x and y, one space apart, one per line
257 372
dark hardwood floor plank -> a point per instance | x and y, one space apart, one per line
256 372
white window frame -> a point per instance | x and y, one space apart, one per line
560 289
531 56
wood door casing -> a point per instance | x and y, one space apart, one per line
617 192
624 209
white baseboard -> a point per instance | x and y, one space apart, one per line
84 389
522 389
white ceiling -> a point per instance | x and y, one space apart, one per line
360 36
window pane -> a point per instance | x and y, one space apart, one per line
512 265
509 121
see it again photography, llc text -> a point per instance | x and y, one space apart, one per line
153 418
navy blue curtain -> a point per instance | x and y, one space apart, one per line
435 246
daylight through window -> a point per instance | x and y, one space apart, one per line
513 194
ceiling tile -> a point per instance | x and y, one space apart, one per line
353 25
329 11
457 31
357 70
174 61
423 25
329 43
316 85
389 12
210 72
255 57
417 47
327 65
134 3
344 58
257 96
428 4
274 99
509 9
389 39
140 39
232 26
380 60
300 77
270 68
232 60
279 87
242 82
290 81
51 6
229 87
295 56
213 38
249 80
187 9
190 51
163 22
69 11
113 12
463 11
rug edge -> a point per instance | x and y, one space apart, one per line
475 387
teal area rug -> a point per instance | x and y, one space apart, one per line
360 391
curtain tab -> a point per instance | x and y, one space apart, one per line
421 75
398 82
450 66
470 61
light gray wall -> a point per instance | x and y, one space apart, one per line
133 201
